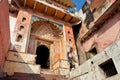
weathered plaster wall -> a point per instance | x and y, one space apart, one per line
59 57
70 41
21 31
58 47
96 4
108 34
4 32
31 45
12 21
90 70
98 8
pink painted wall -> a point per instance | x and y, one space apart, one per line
108 34
4 32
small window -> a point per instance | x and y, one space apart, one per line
68 32
109 68
19 38
23 19
70 41
92 53
21 28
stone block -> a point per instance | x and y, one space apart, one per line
56 65
99 74
81 70
63 71
56 71
64 64
92 75
11 67
21 57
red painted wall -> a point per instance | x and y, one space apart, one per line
108 34
4 32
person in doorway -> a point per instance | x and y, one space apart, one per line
70 58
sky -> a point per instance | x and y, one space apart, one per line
79 3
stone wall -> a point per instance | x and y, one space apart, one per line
107 34
92 70
21 31
12 21
25 37
21 62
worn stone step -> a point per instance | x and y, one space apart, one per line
25 76
11 67
21 57
46 71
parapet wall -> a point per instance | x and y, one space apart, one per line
103 66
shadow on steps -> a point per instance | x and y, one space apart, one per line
26 76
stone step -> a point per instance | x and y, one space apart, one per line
25 76
12 67
46 71
21 57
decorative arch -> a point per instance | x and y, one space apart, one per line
48 34
46 29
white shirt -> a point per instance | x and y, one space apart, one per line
70 55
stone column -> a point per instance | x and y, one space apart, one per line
67 43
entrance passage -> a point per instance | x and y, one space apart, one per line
43 57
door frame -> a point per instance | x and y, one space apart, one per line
48 45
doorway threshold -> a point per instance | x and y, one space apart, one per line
46 71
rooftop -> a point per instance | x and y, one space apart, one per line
44 7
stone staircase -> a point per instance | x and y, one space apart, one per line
21 62
26 76
22 66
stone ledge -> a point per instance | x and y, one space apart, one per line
21 57
11 67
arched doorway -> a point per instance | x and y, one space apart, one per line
43 57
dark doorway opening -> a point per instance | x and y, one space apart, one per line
43 57
92 52
76 30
